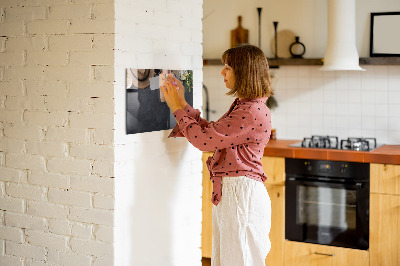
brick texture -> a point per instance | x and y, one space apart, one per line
68 258
25 250
24 221
46 240
95 216
47 210
11 233
69 197
61 108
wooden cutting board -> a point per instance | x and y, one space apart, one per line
239 35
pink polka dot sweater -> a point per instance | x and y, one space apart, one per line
238 139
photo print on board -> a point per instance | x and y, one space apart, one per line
146 109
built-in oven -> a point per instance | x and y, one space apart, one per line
327 202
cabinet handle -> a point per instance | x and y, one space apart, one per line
324 254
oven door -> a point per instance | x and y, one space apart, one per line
327 213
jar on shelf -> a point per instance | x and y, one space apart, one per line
297 49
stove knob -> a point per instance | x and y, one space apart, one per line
308 166
343 168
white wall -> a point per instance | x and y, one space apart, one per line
158 180
56 132
344 103
304 18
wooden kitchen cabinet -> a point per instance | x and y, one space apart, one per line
384 237
305 254
277 233
206 225
274 168
385 178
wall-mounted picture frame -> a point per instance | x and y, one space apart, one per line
146 109
385 34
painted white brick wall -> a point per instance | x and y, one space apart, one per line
56 132
158 180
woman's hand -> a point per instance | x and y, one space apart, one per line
181 90
174 94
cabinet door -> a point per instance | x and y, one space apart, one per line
274 168
277 233
206 232
304 254
384 229
385 178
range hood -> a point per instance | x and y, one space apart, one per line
341 51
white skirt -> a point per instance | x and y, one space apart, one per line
241 223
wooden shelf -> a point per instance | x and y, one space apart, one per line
273 63
380 61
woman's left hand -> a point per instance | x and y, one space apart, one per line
170 90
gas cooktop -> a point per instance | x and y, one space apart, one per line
332 142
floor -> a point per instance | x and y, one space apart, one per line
206 261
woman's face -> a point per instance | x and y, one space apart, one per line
229 76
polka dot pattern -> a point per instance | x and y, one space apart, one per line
238 139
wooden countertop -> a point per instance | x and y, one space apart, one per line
389 154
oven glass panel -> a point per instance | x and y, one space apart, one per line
326 207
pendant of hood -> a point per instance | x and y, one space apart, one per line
341 51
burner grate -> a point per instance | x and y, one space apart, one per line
327 142
358 144
332 142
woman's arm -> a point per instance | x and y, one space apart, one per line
234 129
174 93
237 128
193 113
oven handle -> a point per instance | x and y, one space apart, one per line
324 254
357 185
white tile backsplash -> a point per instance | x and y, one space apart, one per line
381 97
342 123
304 82
394 97
394 124
381 83
393 110
367 110
394 137
394 82
329 109
343 103
380 71
342 109
393 71
367 123
367 97
382 110
292 82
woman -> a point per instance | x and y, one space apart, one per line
242 208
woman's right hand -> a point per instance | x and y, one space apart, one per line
170 90
181 90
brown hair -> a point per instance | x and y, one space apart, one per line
250 66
